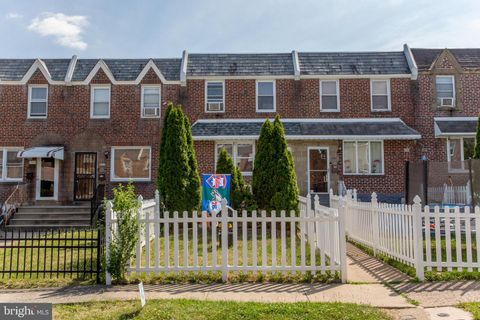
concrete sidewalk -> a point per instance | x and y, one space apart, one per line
371 294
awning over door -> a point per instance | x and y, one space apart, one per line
307 129
455 126
42 152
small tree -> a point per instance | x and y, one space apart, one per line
262 186
178 181
225 165
284 179
476 153
125 237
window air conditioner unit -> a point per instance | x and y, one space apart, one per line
214 106
447 102
151 112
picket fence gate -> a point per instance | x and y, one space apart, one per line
312 241
429 238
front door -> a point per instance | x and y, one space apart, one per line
318 173
85 175
47 179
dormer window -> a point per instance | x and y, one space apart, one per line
214 96
380 95
37 102
445 89
151 101
100 102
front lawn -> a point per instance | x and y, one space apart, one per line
222 310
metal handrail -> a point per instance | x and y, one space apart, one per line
13 201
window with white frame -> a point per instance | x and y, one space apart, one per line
11 167
100 105
380 95
329 98
38 101
151 101
445 90
266 96
130 163
214 96
363 157
459 150
243 154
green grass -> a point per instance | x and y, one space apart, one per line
31 262
473 308
221 310
271 246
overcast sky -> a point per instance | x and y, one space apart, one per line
136 28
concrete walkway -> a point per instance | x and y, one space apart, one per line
373 294
363 268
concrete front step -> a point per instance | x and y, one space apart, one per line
52 215
51 209
52 222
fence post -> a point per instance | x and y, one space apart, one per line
308 212
418 238
342 241
108 239
156 230
141 237
376 232
224 240
355 195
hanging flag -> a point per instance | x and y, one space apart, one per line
215 188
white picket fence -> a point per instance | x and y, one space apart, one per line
441 239
450 194
312 241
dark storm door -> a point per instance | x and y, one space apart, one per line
318 175
85 176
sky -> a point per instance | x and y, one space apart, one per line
163 28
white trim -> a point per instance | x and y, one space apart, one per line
274 96
183 68
142 89
92 89
100 65
462 153
206 95
4 171
296 65
315 120
112 164
361 139
235 144
337 88
55 180
308 168
389 98
455 118
316 137
411 61
71 68
30 87
150 65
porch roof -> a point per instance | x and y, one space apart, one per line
307 129
42 152
455 126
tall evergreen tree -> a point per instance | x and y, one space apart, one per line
194 188
178 181
262 183
284 179
476 153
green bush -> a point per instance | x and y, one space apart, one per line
274 181
178 180
124 239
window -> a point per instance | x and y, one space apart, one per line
11 167
243 154
151 101
445 89
329 95
38 102
380 91
100 107
130 163
459 150
215 96
266 96
363 157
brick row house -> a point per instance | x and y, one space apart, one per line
69 125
